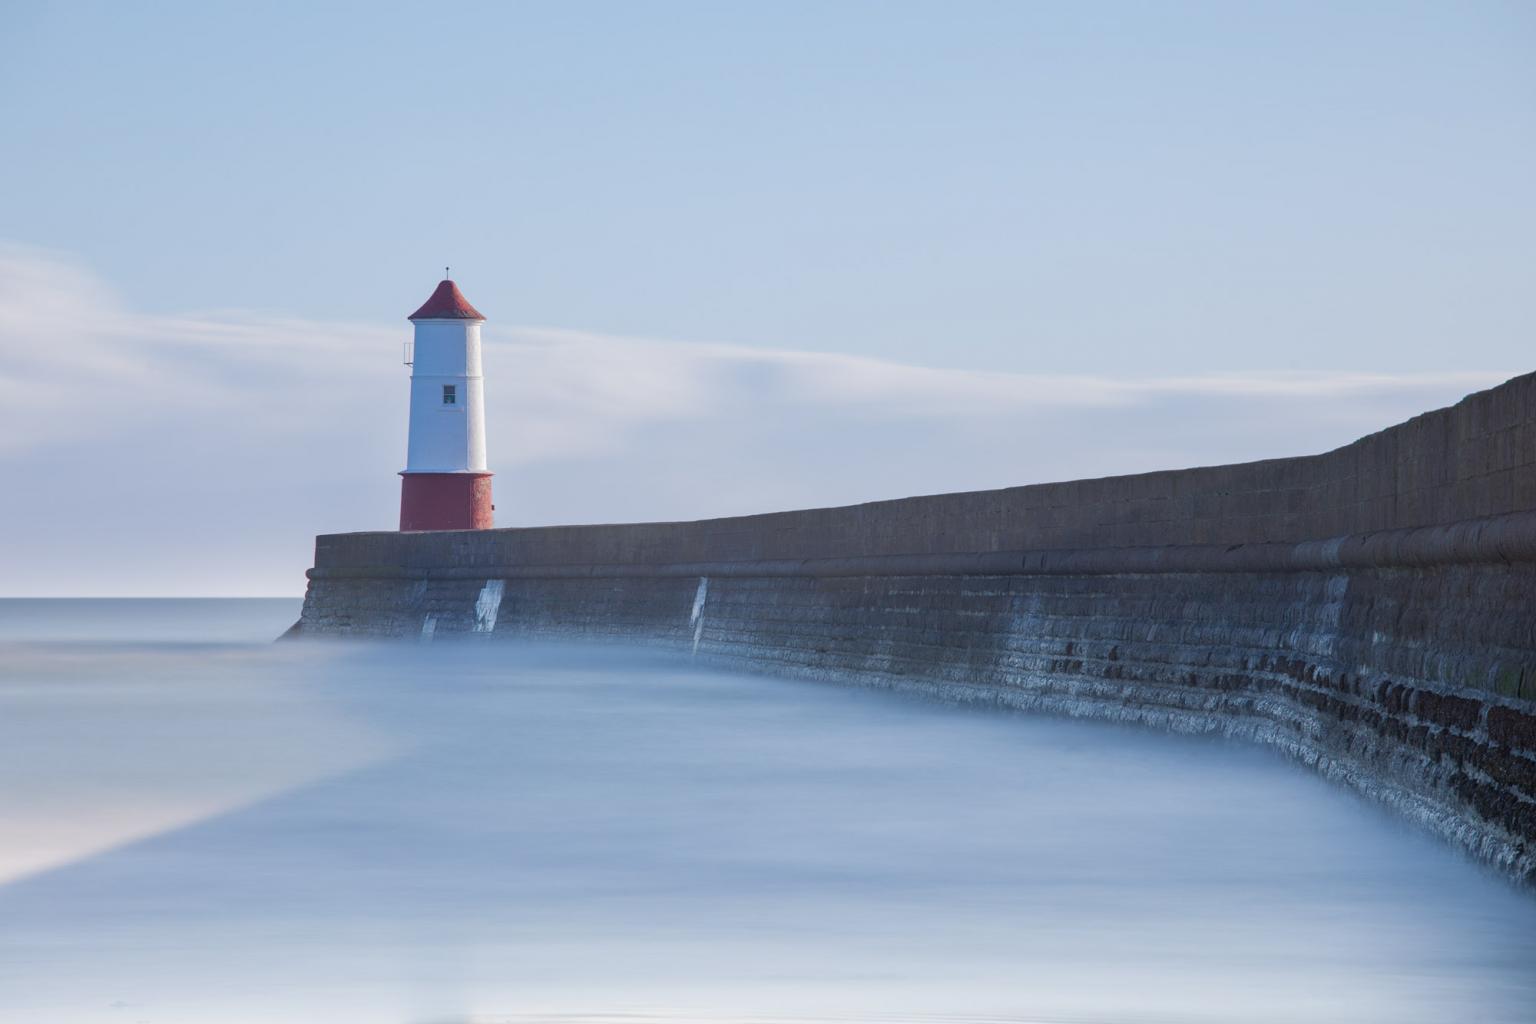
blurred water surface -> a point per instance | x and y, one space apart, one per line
199 825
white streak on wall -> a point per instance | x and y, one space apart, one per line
696 619
428 628
488 604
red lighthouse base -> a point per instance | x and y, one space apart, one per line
445 501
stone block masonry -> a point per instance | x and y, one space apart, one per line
1370 611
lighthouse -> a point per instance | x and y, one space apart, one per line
445 485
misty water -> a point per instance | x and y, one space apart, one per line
199 825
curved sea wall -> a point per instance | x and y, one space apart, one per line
1370 611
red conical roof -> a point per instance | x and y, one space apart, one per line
446 303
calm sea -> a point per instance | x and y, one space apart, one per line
197 825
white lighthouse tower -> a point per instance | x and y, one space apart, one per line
445 485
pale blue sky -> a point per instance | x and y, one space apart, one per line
736 257
995 185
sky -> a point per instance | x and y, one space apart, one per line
735 257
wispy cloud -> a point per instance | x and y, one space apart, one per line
270 427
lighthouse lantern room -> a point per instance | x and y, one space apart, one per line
445 484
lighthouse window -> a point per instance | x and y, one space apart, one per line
450 394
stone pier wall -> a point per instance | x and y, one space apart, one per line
1371 611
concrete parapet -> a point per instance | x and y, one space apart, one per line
1473 461
1495 540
